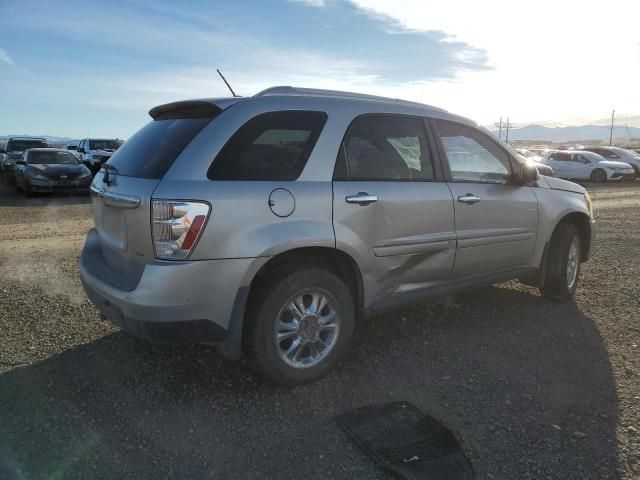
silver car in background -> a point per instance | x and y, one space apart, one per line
268 226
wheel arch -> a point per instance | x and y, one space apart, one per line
583 223
337 261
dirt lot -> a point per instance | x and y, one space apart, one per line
533 389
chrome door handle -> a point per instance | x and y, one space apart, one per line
361 198
469 198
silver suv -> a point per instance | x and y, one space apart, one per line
269 226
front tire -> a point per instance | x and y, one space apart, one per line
563 264
599 176
300 323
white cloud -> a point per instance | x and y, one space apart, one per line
550 59
4 57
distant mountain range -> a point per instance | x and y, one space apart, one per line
567 134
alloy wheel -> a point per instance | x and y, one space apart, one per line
307 328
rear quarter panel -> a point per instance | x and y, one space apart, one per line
241 223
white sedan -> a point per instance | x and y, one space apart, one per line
583 165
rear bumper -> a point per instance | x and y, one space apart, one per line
172 302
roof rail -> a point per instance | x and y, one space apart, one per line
316 92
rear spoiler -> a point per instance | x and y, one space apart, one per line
185 109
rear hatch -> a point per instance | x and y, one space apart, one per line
122 189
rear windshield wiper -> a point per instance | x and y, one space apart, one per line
106 177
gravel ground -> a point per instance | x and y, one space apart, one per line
533 389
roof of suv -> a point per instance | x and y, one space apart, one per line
285 91
319 93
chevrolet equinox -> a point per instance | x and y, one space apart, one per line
268 226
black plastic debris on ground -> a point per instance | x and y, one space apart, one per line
400 438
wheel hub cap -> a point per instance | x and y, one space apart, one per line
307 328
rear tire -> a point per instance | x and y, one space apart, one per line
636 171
563 263
299 324
599 176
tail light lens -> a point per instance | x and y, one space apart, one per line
176 227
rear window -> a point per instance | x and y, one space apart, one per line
270 146
154 148
22 145
103 144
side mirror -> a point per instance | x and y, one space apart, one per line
526 174
81 150
20 162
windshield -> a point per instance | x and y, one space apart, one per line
630 152
52 158
103 144
22 145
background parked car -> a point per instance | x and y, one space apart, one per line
585 165
618 154
51 169
14 149
95 151
542 168
528 154
73 148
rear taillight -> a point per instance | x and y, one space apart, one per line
176 227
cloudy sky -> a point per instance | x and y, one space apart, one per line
89 68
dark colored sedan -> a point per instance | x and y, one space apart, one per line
51 170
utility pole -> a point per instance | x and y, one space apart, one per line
613 113
500 130
507 138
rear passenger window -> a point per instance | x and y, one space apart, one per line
270 146
386 147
